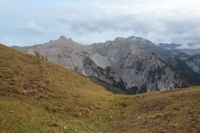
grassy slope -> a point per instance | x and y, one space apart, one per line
51 91
176 111
37 96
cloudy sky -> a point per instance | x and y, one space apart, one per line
28 22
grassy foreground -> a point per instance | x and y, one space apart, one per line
39 97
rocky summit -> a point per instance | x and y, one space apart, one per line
125 65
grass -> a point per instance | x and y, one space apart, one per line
49 88
39 97
170 111
19 116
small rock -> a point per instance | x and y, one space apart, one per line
77 114
54 125
139 117
124 105
11 112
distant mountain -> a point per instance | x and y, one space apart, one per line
190 54
193 62
189 49
130 65
169 46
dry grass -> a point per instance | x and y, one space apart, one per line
169 111
46 86
38 96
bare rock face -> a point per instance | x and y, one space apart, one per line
193 62
132 64
141 65
64 52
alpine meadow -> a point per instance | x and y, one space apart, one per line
124 66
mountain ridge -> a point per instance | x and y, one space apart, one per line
136 63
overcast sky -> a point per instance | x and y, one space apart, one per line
28 22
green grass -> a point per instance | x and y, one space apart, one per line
39 97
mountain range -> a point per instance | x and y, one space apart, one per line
190 49
125 65
190 54
37 96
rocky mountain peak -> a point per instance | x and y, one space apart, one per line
64 38
135 38
62 41
119 39
131 38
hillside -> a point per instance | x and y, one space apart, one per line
37 97
31 87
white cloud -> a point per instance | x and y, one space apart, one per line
32 27
157 20
189 46
93 20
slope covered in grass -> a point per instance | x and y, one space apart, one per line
176 111
27 81
37 96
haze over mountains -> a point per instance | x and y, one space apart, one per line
130 65
189 49
190 54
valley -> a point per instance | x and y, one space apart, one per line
38 96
